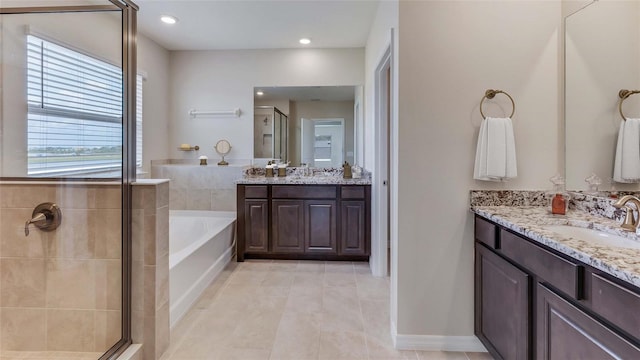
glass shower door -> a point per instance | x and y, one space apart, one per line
64 178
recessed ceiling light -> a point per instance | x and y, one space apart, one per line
168 19
305 41
259 93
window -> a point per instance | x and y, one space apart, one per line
74 112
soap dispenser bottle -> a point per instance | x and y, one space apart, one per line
559 197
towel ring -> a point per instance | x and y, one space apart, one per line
624 94
490 94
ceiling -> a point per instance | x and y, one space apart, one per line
257 24
307 93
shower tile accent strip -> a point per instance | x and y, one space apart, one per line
150 273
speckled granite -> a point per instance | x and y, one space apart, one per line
302 180
508 198
595 205
295 175
529 221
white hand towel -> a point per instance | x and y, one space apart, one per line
495 152
627 161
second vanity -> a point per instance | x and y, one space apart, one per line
310 218
544 294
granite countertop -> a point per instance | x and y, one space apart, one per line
622 263
302 180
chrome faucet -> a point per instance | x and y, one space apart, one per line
630 222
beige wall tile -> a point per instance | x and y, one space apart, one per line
162 281
162 330
137 235
223 200
13 242
198 199
71 284
109 197
23 329
108 329
22 282
70 330
177 198
76 197
75 238
108 234
150 239
162 194
162 231
149 291
108 284
26 196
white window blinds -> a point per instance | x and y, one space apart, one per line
74 112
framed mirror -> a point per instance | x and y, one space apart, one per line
314 125
602 56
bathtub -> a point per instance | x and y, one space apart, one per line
201 244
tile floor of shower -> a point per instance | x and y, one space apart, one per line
293 310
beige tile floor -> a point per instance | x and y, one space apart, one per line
293 310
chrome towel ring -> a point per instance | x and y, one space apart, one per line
624 94
490 94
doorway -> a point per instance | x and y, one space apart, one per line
322 142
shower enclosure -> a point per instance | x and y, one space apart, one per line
270 133
67 161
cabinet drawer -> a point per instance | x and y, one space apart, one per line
485 232
617 304
352 192
253 192
559 272
303 192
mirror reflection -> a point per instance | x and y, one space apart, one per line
311 125
602 53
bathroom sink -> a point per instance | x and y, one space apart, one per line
594 236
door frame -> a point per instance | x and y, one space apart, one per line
382 188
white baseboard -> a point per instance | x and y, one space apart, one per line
435 342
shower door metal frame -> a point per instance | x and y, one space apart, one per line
129 71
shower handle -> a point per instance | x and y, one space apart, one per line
46 217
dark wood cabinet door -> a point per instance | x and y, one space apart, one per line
287 226
320 218
502 306
256 226
566 332
353 228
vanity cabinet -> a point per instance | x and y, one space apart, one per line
502 305
532 302
321 222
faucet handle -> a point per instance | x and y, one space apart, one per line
630 223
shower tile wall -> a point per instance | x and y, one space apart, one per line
195 187
150 272
61 290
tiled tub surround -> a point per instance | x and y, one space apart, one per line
295 175
150 272
61 290
529 221
196 187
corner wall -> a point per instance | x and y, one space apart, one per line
451 52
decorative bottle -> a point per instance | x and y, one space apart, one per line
559 198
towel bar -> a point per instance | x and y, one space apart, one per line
624 94
490 94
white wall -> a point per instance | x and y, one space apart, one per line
153 61
450 53
223 80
